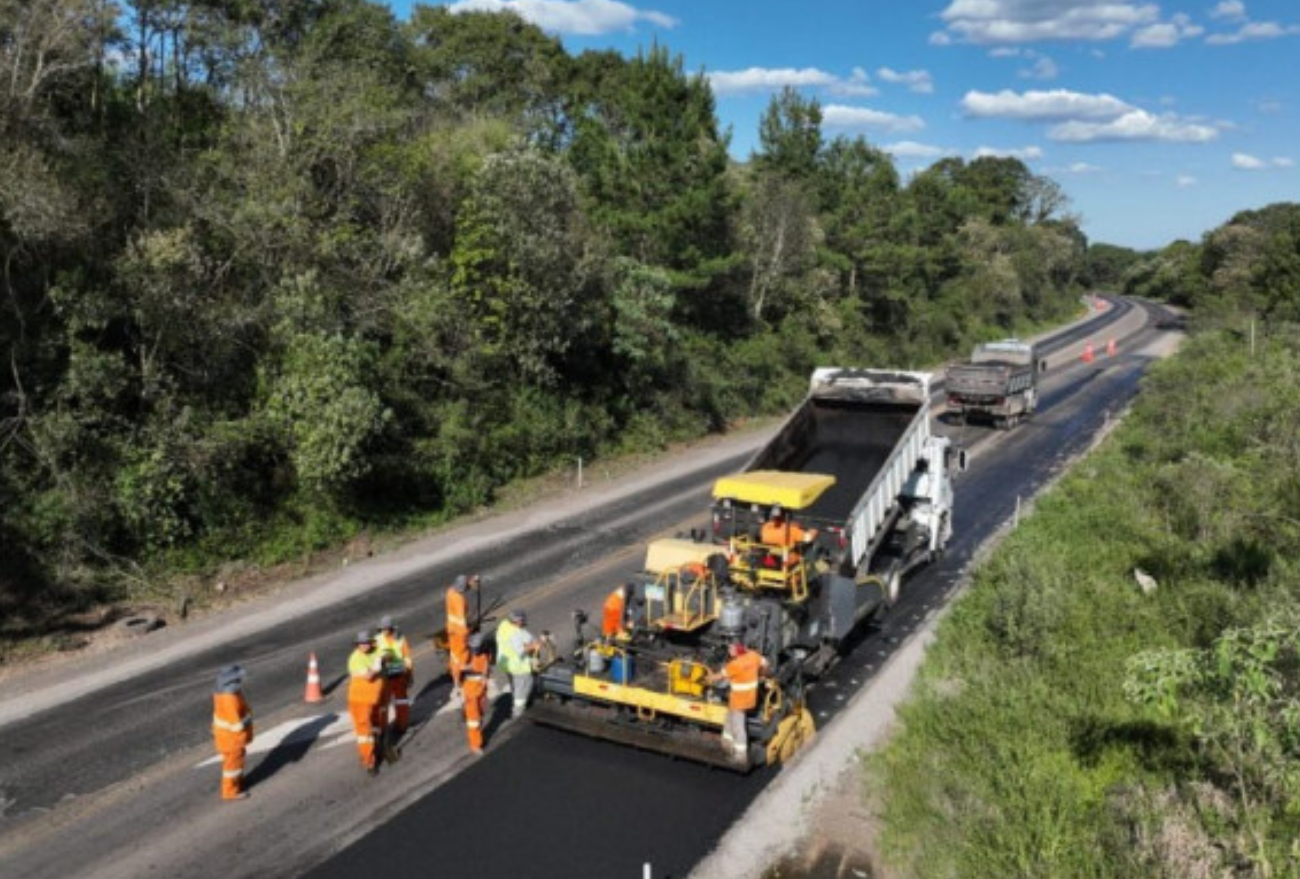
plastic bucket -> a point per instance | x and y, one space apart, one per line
595 661
620 668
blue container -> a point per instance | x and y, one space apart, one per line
620 668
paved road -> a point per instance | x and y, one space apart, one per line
561 806
111 783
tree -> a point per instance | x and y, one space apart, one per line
521 269
646 147
778 234
790 136
477 64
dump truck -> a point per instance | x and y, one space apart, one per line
999 384
857 475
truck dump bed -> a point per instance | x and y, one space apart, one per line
850 441
868 429
984 380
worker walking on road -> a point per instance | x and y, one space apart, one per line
516 648
399 672
232 730
742 671
366 699
474 686
458 626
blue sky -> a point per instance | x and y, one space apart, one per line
1159 119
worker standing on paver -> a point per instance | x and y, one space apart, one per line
516 648
366 699
474 686
399 672
232 730
742 671
458 626
613 622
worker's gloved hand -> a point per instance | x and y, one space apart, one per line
377 664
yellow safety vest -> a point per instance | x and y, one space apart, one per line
507 658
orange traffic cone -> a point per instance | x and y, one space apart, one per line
1087 352
1110 348
313 681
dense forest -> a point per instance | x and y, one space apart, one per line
1118 694
276 272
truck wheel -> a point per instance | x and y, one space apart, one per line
893 586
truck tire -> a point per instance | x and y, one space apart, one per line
893 586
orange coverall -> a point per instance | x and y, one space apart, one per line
366 703
611 622
475 692
232 731
457 634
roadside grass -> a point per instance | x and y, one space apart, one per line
1023 752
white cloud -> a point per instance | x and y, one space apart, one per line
1183 181
916 80
1006 52
1135 125
1247 162
1082 168
1042 68
1029 152
581 17
1254 30
842 116
856 86
1052 105
1229 9
992 22
756 79
910 149
1166 34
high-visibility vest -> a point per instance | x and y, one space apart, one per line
615 607
360 690
457 612
397 655
232 721
507 657
743 672
785 534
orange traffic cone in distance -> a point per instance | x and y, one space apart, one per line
313 681
1087 353
1110 348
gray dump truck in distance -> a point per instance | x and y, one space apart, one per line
998 384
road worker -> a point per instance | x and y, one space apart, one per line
232 730
516 648
366 699
780 532
613 623
742 672
474 686
458 627
399 672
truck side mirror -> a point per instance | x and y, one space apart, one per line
958 458
1042 365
